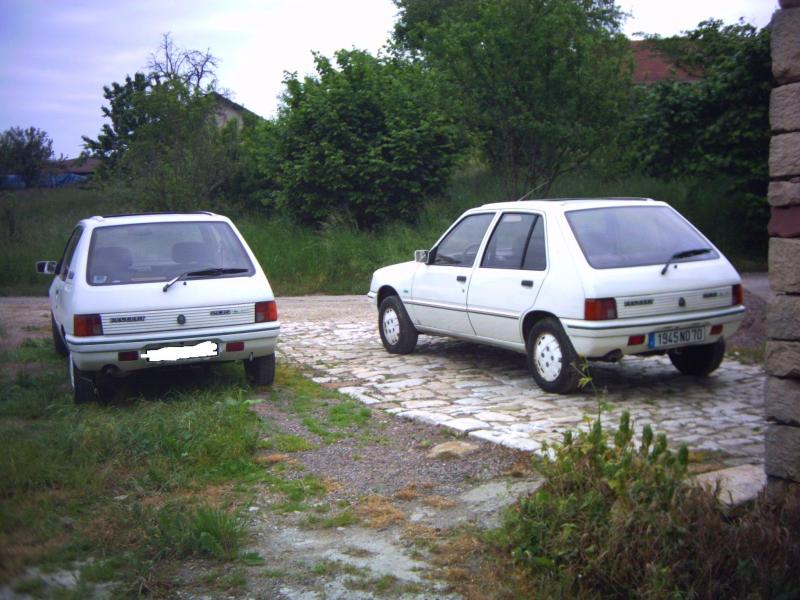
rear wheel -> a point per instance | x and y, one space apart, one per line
58 342
552 358
83 388
698 360
398 334
261 370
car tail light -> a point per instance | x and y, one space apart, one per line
716 329
266 311
600 309
738 294
636 340
234 346
87 325
128 355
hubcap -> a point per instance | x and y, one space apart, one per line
391 326
547 357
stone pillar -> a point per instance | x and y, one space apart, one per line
782 360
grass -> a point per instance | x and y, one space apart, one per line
340 259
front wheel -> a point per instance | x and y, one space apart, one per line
83 388
261 370
552 358
398 334
698 360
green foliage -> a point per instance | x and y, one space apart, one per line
617 519
178 531
25 152
715 128
543 83
365 138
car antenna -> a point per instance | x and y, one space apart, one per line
531 191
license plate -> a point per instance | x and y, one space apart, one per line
176 353
676 337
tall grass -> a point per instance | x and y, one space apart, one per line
338 258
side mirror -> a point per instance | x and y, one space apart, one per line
46 267
421 256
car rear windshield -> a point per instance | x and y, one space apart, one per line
632 236
146 252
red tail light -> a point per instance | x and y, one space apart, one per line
738 294
234 346
715 330
266 311
87 325
600 309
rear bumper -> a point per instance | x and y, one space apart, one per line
97 353
596 339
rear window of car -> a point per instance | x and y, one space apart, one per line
632 236
146 252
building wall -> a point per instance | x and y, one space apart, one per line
782 360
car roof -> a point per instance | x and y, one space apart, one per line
549 204
153 217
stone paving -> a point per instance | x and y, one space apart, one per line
489 393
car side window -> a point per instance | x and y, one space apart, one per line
509 240
460 247
69 251
536 254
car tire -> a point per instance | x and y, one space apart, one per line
552 358
83 388
58 342
698 360
398 334
260 370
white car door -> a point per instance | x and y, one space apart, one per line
439 291
505 284
63 282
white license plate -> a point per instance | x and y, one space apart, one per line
176 353
676 337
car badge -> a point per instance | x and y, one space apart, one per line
181 319
682 302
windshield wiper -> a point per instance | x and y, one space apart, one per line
214 272
684 254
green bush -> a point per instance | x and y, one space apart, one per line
614 520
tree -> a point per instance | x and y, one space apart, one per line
542 82
25 152
195 69
366 138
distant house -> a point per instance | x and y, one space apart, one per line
651 66
78 166
228 110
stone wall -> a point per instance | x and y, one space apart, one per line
782 360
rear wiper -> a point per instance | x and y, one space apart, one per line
684 254
202 273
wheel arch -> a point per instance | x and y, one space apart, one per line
384 292
531 319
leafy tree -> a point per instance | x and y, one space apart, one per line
25 152
542 82
366 138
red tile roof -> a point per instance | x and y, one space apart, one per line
650 66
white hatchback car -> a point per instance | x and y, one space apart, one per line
146 290
567 278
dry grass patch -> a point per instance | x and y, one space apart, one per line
379 513
272 459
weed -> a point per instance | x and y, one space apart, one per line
342 519
178 531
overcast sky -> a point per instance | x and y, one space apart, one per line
55 57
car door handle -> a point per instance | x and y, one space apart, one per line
527 283
461 278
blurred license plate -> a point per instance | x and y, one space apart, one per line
174 353
676 337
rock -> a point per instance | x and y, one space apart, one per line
790 3
784 193
783 400
454 449
737 485
784 222
782 359
784 108
784 265
785 49
783 452
784 154
783 318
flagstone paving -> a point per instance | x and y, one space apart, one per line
488 393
